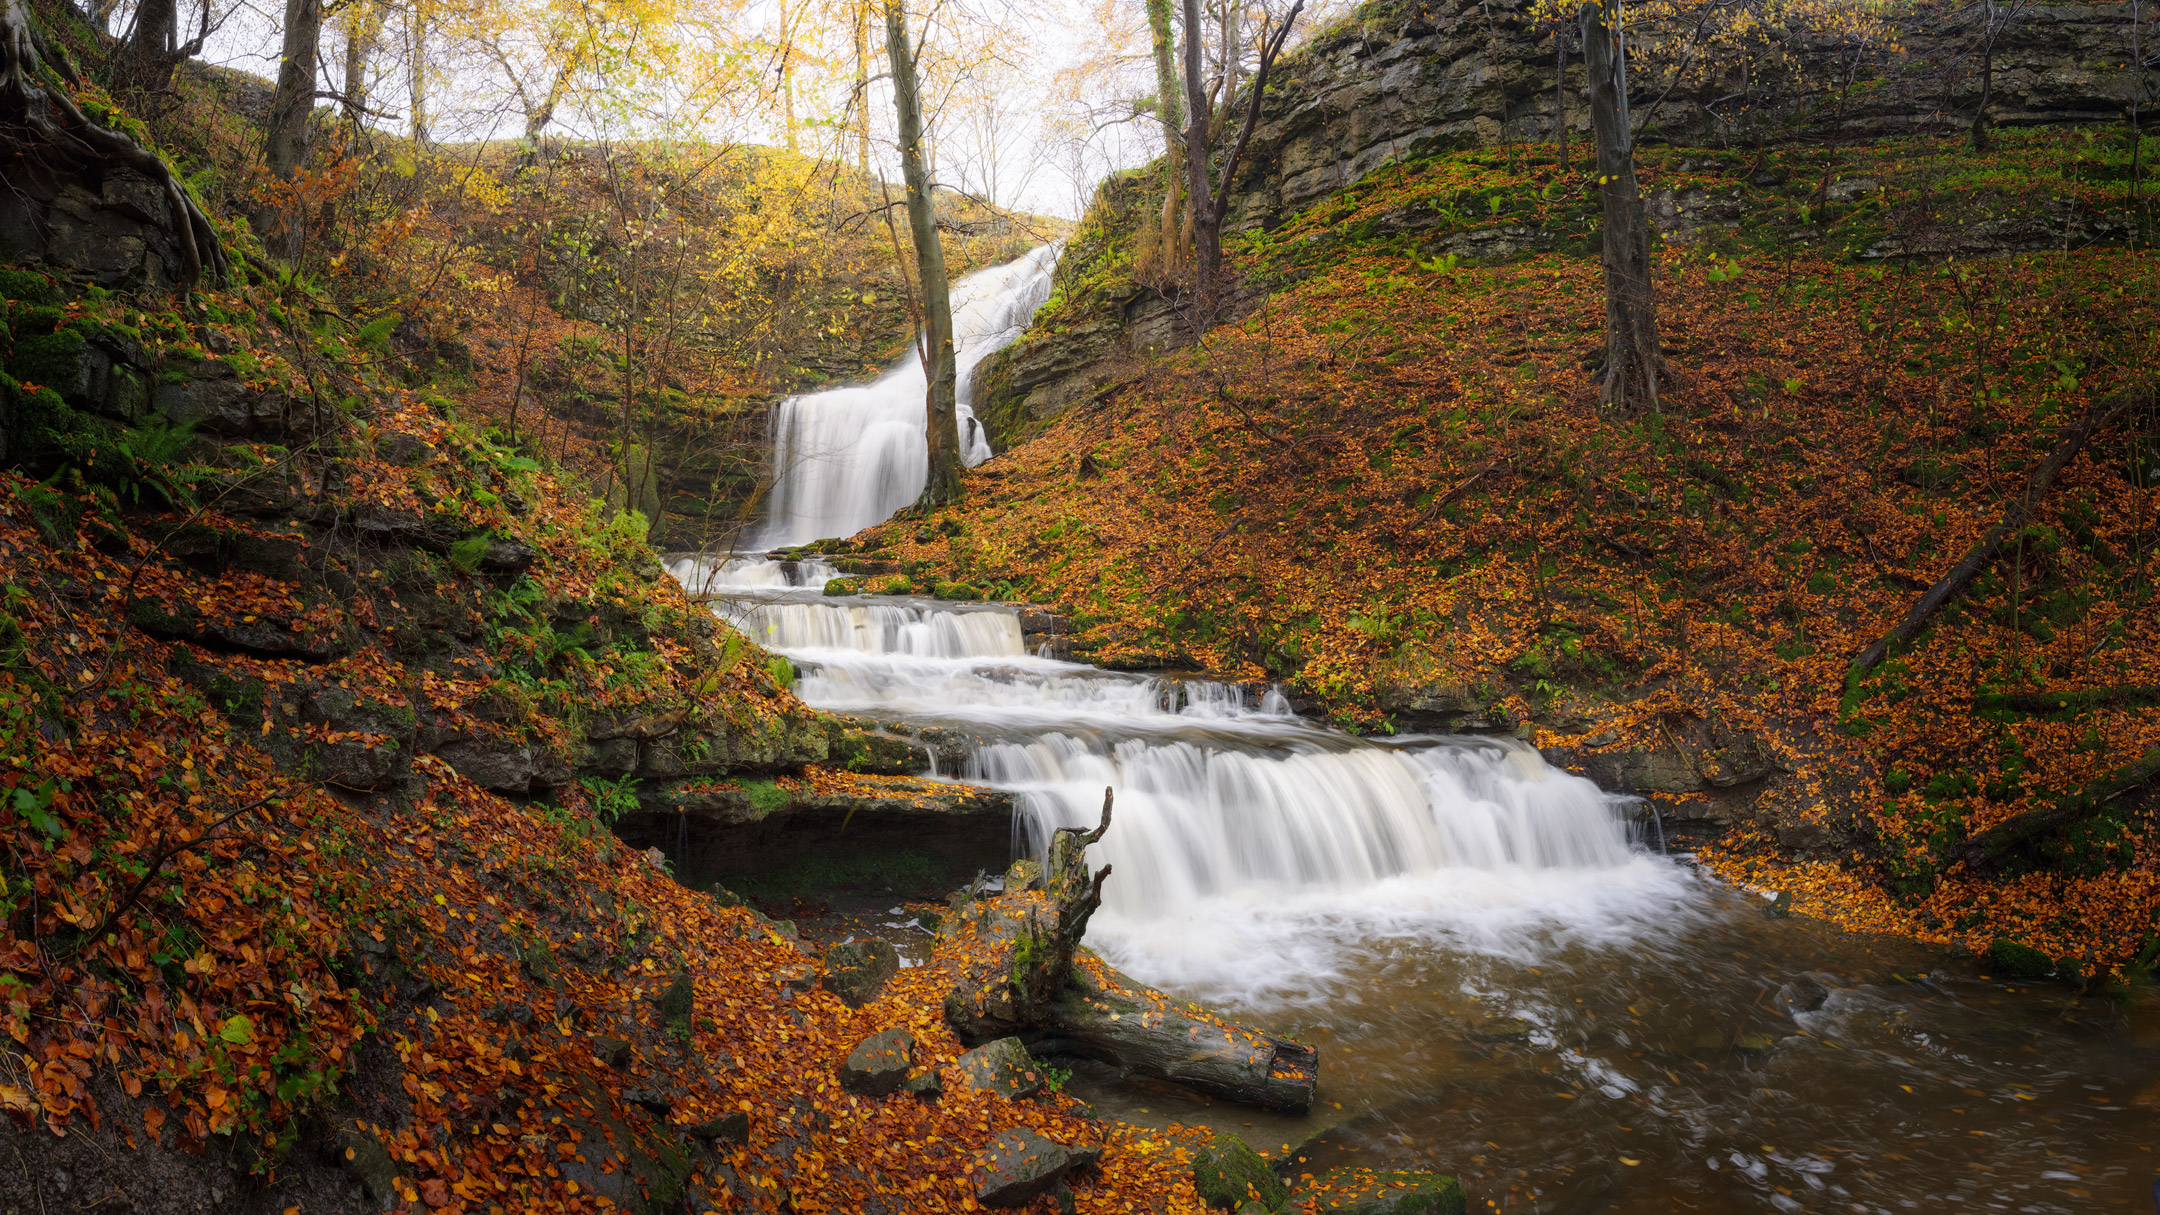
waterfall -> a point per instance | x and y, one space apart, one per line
848 457
1246 840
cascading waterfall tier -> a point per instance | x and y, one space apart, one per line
1230 810
849 457
736 574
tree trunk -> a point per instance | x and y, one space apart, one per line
47 128
1633 362
2137 104
1021 971
1559 38
292 101
1987 80
1206 221
1209 205
939 366
1103 1015
1228 58
418 30
862 87
157 29
153 50
363 26
1171 111
1986 850
787 75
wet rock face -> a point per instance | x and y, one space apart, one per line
111 229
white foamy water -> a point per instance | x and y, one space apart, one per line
848 457
732 572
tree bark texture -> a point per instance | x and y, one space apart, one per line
939 365
417 30
363 27
1199 191
292 100
1633 362
862 87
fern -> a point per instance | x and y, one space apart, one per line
375 335
467 554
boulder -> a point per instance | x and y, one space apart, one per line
857 970
1502 1029
2012 960
1003 1067
1801 995
1018 1165
879 1063
1355 1192
503 767
368 1163
1229 1174
731 1128
675 1005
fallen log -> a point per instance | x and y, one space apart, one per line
1983 850
1021 972
2019 512
2080 701
1103 1015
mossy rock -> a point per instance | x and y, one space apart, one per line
1230 1174
2011 960
841 586
675 1005
1355 1192
28 287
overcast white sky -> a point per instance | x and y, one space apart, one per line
1023 134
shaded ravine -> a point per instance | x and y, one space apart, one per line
1503 983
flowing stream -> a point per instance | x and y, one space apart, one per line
1504 981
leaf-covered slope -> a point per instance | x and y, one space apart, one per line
1390 486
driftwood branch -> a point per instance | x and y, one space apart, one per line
156 867
1983 554
1022 973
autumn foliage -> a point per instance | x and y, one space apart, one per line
1391 479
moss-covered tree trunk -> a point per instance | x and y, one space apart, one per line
1171 111
940 367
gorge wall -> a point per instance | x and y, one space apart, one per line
1400 80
